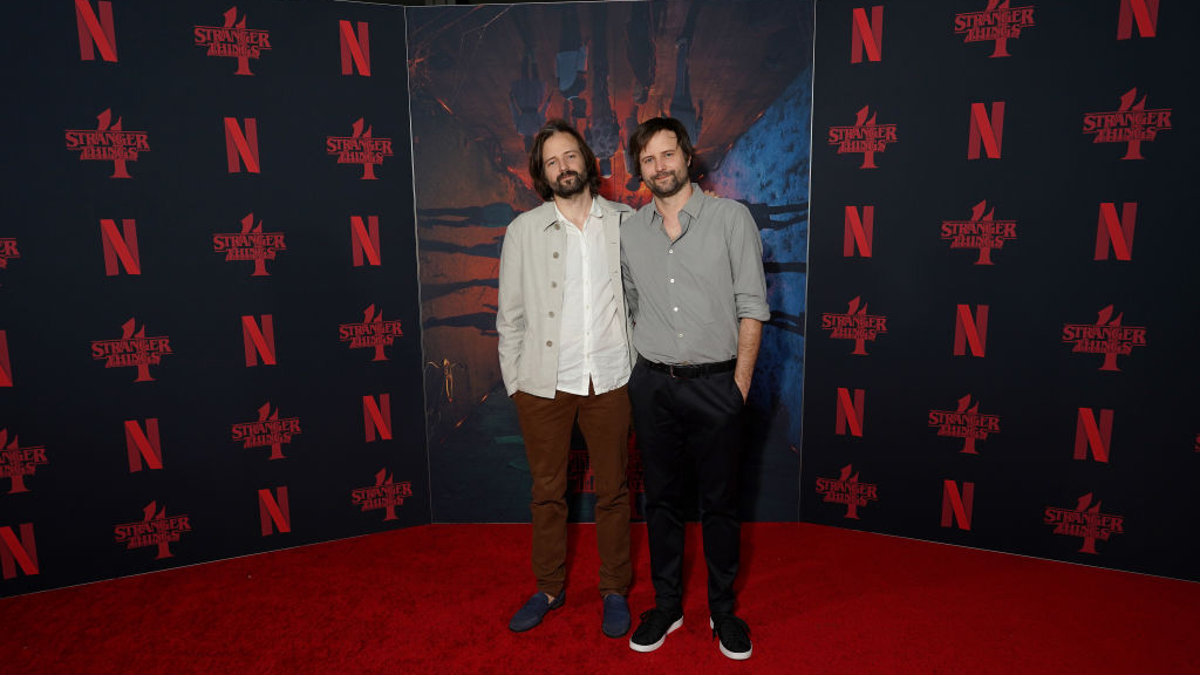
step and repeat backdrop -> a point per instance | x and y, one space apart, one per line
1003 319
484 79
209 333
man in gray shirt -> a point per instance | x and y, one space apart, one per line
694 284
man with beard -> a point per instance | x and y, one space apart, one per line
696 291
565 355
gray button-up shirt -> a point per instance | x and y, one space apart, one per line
687 296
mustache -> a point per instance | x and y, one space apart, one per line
567 174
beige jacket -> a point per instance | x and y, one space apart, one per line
531 296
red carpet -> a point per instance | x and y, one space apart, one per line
437 599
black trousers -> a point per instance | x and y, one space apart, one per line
698 421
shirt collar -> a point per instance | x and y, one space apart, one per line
595 212
693 207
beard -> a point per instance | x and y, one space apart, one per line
568 184
666 184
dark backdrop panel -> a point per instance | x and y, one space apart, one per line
484 79
57 297
1126 494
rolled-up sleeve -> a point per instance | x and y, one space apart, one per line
746 266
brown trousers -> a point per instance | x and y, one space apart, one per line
546 425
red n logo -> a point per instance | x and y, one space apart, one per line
364 240
860 231
259 340
1144 12
14 551
6 379
273 511
970 330
143 444
850 412
1115 231
377 417
986 130
957 506
241 147
356 49
866 35
1090 435
120 247
96 31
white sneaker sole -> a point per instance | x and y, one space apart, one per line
736 656
649 648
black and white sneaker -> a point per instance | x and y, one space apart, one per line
733 636
653 629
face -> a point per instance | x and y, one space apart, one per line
663 164
562 163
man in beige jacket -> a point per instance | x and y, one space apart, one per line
565 355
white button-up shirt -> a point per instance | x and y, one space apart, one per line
592 340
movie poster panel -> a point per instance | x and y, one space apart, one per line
484 80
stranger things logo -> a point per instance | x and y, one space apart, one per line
268 431
234 41
982 232
133 350
998 23
251 244
360 148
1086 522
579 472
155 529
866 136
855 325
8 251
108 142
1131 124
16 463
846 490
385 494
373 333
965 422
1107 337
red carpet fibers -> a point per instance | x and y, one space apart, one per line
437 599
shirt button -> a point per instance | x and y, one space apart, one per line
557 226
552 314
674 308
550 343
553 284
672 281
681 335
556 254
670 250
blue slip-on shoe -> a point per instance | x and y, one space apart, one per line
532 612
616 616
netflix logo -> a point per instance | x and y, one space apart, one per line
965 422
981 232
865 136
385 494
986 131
155 529
998 23
17 463
847 491
132 350
18 551
355 45
108 142
1131 124
267 431
1084 521
233 40
251 244
372 333
1106 337
6 373
855 325
866 34
97 31
360 148
1114 233
1142 14
241 145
